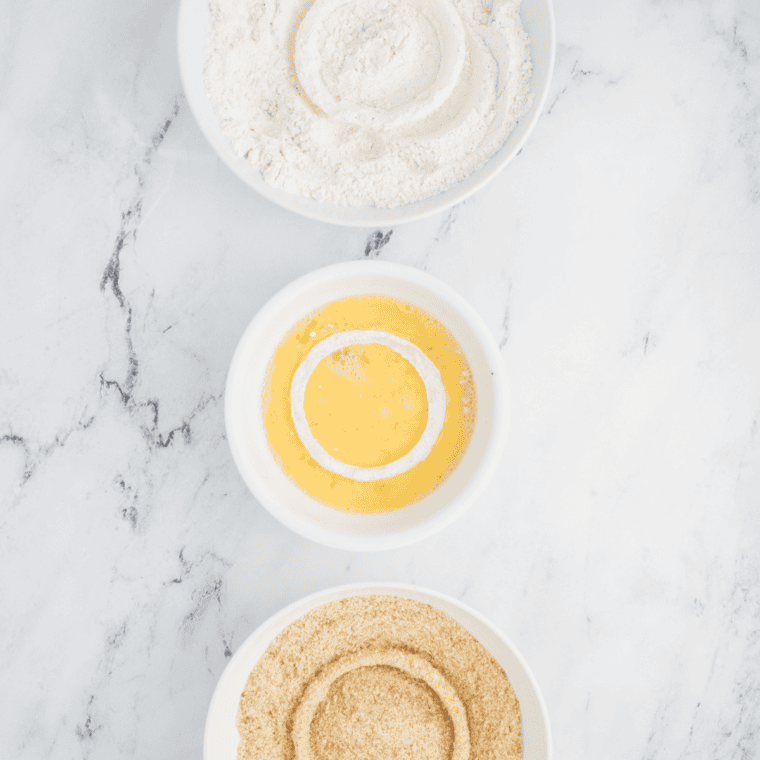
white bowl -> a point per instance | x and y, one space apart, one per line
247 436
538 21
221 738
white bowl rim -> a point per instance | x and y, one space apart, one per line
387 586
480 477
392 220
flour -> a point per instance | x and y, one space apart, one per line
367 102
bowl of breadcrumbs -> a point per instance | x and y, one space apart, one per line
377 672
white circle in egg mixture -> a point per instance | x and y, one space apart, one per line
428 372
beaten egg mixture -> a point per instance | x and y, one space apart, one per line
367 406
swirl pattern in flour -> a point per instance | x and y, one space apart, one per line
368 102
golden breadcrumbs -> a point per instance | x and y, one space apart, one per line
378 677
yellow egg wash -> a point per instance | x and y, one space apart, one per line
367 405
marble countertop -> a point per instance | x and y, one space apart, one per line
617 261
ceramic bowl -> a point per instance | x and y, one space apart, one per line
221 738
247 436
194 16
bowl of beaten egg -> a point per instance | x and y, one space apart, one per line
366 406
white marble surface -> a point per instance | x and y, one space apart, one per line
618 262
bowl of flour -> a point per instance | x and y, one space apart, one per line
368 112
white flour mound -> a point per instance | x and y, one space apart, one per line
367 102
